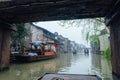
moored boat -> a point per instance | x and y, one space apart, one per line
74 52
53 76
40 52
29 58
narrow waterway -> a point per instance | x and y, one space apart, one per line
65 63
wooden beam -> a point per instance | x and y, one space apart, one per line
44 7
51 17
15 10
113 14
115 46
14 3
8 26
4 48
56 13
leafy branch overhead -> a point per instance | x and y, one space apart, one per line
18 37
21 30
91 28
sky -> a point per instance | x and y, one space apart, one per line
72 33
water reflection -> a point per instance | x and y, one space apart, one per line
101 67
28 71
96 63
80 64
65 63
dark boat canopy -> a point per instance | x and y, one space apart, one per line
13 11
37 43
52 76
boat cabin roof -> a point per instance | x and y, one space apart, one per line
50 42
52 76
37 43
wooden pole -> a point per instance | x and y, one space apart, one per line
1 32
5 39
4 47
113 22
115 47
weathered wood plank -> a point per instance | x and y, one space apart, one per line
28 2
5 51
51 76
12 11
1 33
115 46
113 14
4 46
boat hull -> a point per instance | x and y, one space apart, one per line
52 76
28 58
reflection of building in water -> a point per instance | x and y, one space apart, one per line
51 67
106 70
75 57
96 62
64 61
29 71
100 65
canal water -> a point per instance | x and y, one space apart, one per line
66 63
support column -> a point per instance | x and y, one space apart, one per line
115 47
4 48
112 20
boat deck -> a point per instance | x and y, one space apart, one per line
49 76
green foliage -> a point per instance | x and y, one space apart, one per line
21 31
104 31
107 53
91 27
1 68
18 37
94 39
91 30
87 36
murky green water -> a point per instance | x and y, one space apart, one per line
65 63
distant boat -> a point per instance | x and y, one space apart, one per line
74 52
52 76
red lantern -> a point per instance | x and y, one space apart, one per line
56 46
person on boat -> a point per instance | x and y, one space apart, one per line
53 48
36 47
56 46
86 51
50 47
46 48
43 49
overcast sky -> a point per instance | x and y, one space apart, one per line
72 33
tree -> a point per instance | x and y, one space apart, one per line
91 30
90 26
18 37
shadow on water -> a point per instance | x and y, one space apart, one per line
115 77
102 67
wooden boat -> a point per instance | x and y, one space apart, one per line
38 54
29 58
74 52
52 76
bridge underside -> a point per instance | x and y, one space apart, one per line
47 10
15 11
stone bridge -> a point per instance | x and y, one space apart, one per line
16 11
